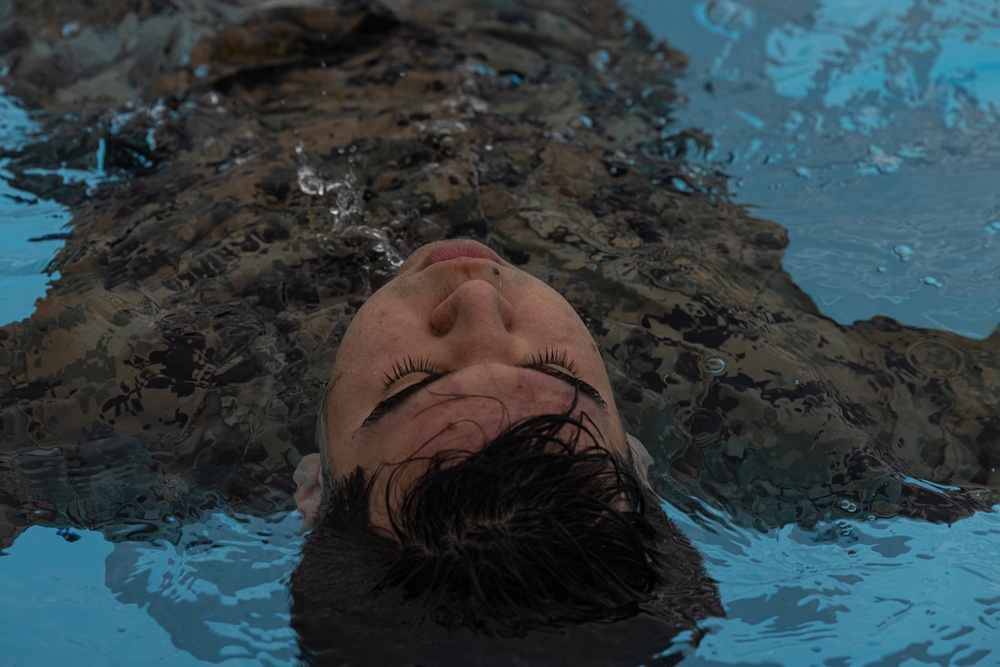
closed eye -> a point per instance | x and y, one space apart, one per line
583 387
409 366
553 363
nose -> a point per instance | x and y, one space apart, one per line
476 318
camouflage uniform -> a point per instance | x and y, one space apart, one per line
178 360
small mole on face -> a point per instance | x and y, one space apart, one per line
496 272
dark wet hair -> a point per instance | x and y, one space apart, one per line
539 530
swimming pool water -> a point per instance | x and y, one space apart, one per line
24 216
850 593
869 130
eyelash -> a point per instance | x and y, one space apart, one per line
410 365
552 357
547 357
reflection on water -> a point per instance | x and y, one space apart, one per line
217 596
850 592
861 128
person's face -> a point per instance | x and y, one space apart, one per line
457 347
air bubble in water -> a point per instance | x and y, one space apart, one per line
932 281
715 365
903 252
848 505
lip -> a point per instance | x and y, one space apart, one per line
459 249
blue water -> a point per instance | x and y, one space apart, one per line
869 130
22 216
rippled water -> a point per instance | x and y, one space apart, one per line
218 595
853 593
850 593
869 130
22 216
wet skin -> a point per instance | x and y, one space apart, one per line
458 346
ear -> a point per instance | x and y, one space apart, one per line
308 480
641 457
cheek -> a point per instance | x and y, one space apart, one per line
565 330
376 338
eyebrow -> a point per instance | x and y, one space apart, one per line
395 402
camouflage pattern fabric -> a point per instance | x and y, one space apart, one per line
278 158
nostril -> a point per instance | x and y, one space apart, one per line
506 313
443 317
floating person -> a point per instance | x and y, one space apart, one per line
181 359
472 461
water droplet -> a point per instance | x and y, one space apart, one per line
803 172
903 252
681 185
310 183
726 18
600 60
882 269
714 365
932 281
